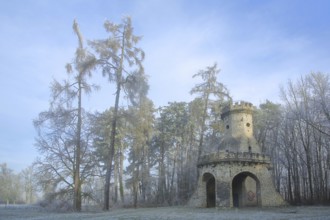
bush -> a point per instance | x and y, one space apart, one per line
52 203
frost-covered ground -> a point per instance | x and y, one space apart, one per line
33 212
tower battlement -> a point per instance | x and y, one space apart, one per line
238 106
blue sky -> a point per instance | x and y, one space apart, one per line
259 45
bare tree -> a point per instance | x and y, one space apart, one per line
10 185
60 129
303 137
29 184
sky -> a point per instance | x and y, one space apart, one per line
258 45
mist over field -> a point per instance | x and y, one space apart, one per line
169 213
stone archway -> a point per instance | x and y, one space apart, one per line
209 179
246 190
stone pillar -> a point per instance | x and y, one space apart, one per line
269 196
223 193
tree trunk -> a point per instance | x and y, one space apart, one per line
121 173
114 126
145 172
201 138
115 178
161 179
111 151
77 182
136 185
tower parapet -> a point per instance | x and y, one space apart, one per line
239 106
229 157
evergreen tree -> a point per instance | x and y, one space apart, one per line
121 62
209 88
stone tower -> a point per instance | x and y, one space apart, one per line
237 174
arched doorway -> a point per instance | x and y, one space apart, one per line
246 190
209 179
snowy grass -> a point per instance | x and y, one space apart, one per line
37 213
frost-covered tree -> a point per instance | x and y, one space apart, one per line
62 138
296 134
141 123
10 186
210 92
29 184
121 61
101 127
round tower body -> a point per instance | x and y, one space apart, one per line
238 122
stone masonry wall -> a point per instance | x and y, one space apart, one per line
224 174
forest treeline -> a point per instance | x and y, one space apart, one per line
141 155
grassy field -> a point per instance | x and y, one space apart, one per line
34 212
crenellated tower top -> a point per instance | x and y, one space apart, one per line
240 106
